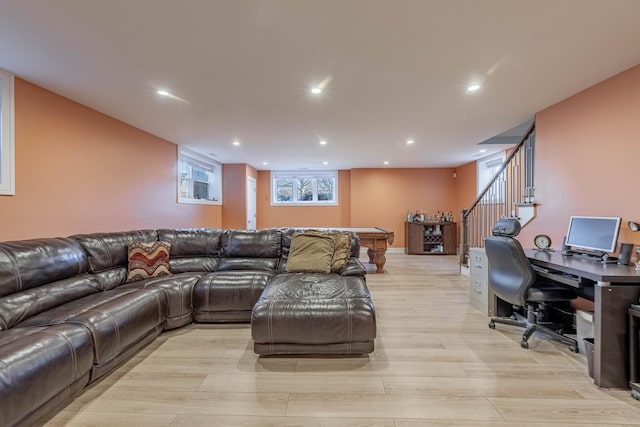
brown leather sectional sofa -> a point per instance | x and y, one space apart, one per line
68 317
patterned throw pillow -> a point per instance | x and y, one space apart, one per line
148 260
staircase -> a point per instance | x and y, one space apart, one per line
511 193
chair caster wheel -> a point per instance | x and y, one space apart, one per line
492 325
573 349
524 344
635 394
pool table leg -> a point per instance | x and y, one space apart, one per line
377 257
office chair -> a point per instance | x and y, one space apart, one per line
513 280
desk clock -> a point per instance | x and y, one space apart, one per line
542 242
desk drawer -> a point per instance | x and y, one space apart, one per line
478 259
478 294
481 297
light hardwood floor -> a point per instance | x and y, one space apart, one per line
436 364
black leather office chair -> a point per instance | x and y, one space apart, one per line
513 280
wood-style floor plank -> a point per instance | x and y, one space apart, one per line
436 363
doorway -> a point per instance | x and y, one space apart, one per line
251 203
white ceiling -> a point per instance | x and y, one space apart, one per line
397 69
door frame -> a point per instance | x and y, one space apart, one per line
252 195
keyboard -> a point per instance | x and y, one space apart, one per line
557 276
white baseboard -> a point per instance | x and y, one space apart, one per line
395 250
464 270
389 251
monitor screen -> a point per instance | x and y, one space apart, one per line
595 233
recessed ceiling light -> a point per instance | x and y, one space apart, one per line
473 88
163 93
323 142
483 150
325 163
236 143
386 162
410 141
265 163
319 87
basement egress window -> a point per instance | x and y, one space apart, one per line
199 178
308 188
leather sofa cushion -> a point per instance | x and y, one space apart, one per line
30 263
17 307
338 309
264 264
112 278
193 264
178 289
193 249
353 268
229 290
108 250
116 318
251 243
63 312
39 363
192 242
287 236
123 321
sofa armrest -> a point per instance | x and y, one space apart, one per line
353 268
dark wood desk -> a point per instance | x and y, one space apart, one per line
615 288
634 352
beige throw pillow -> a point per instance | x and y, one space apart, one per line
311 252
341 250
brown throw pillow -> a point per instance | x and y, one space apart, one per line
341 250
148 260
311 252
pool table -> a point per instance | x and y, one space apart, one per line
375 239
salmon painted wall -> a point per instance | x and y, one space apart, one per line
304 216
80 171
234 195
381 197
586 160
465 187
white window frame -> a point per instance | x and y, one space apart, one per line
275 175
484 169
193 157
7 134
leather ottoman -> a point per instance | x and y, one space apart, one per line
313 313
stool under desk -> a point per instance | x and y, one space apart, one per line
615 288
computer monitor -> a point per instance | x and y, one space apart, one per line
593 233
